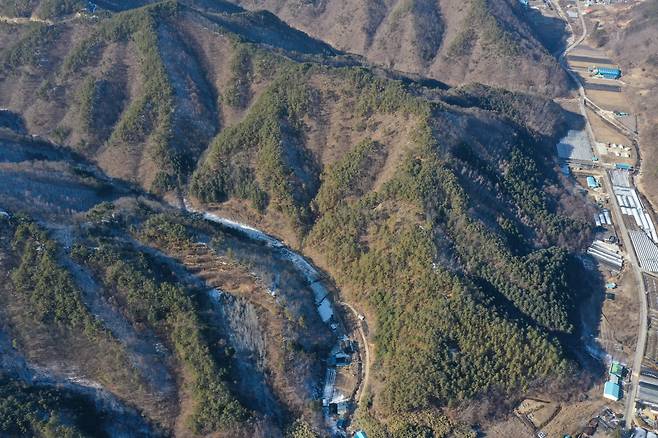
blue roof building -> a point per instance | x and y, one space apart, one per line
608 73
612 391
360 434
592 183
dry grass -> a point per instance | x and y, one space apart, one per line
604 133
511 427
618 321
631 47
573 417
609 100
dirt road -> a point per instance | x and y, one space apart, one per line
24 20
366 356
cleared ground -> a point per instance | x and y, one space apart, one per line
609 101
589 60
597 86
604 133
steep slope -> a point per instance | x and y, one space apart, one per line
436 211
42 9
454 41
439 217
116 299
130 92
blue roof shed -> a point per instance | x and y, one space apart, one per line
592 183
612 391
360 434
609 73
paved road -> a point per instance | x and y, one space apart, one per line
581 86
565 65
616 210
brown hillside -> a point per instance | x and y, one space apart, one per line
451 40
436 211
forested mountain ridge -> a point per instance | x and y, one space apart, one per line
417 220
453 41
438 211
456 42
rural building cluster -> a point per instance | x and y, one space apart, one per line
612 388
600 154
